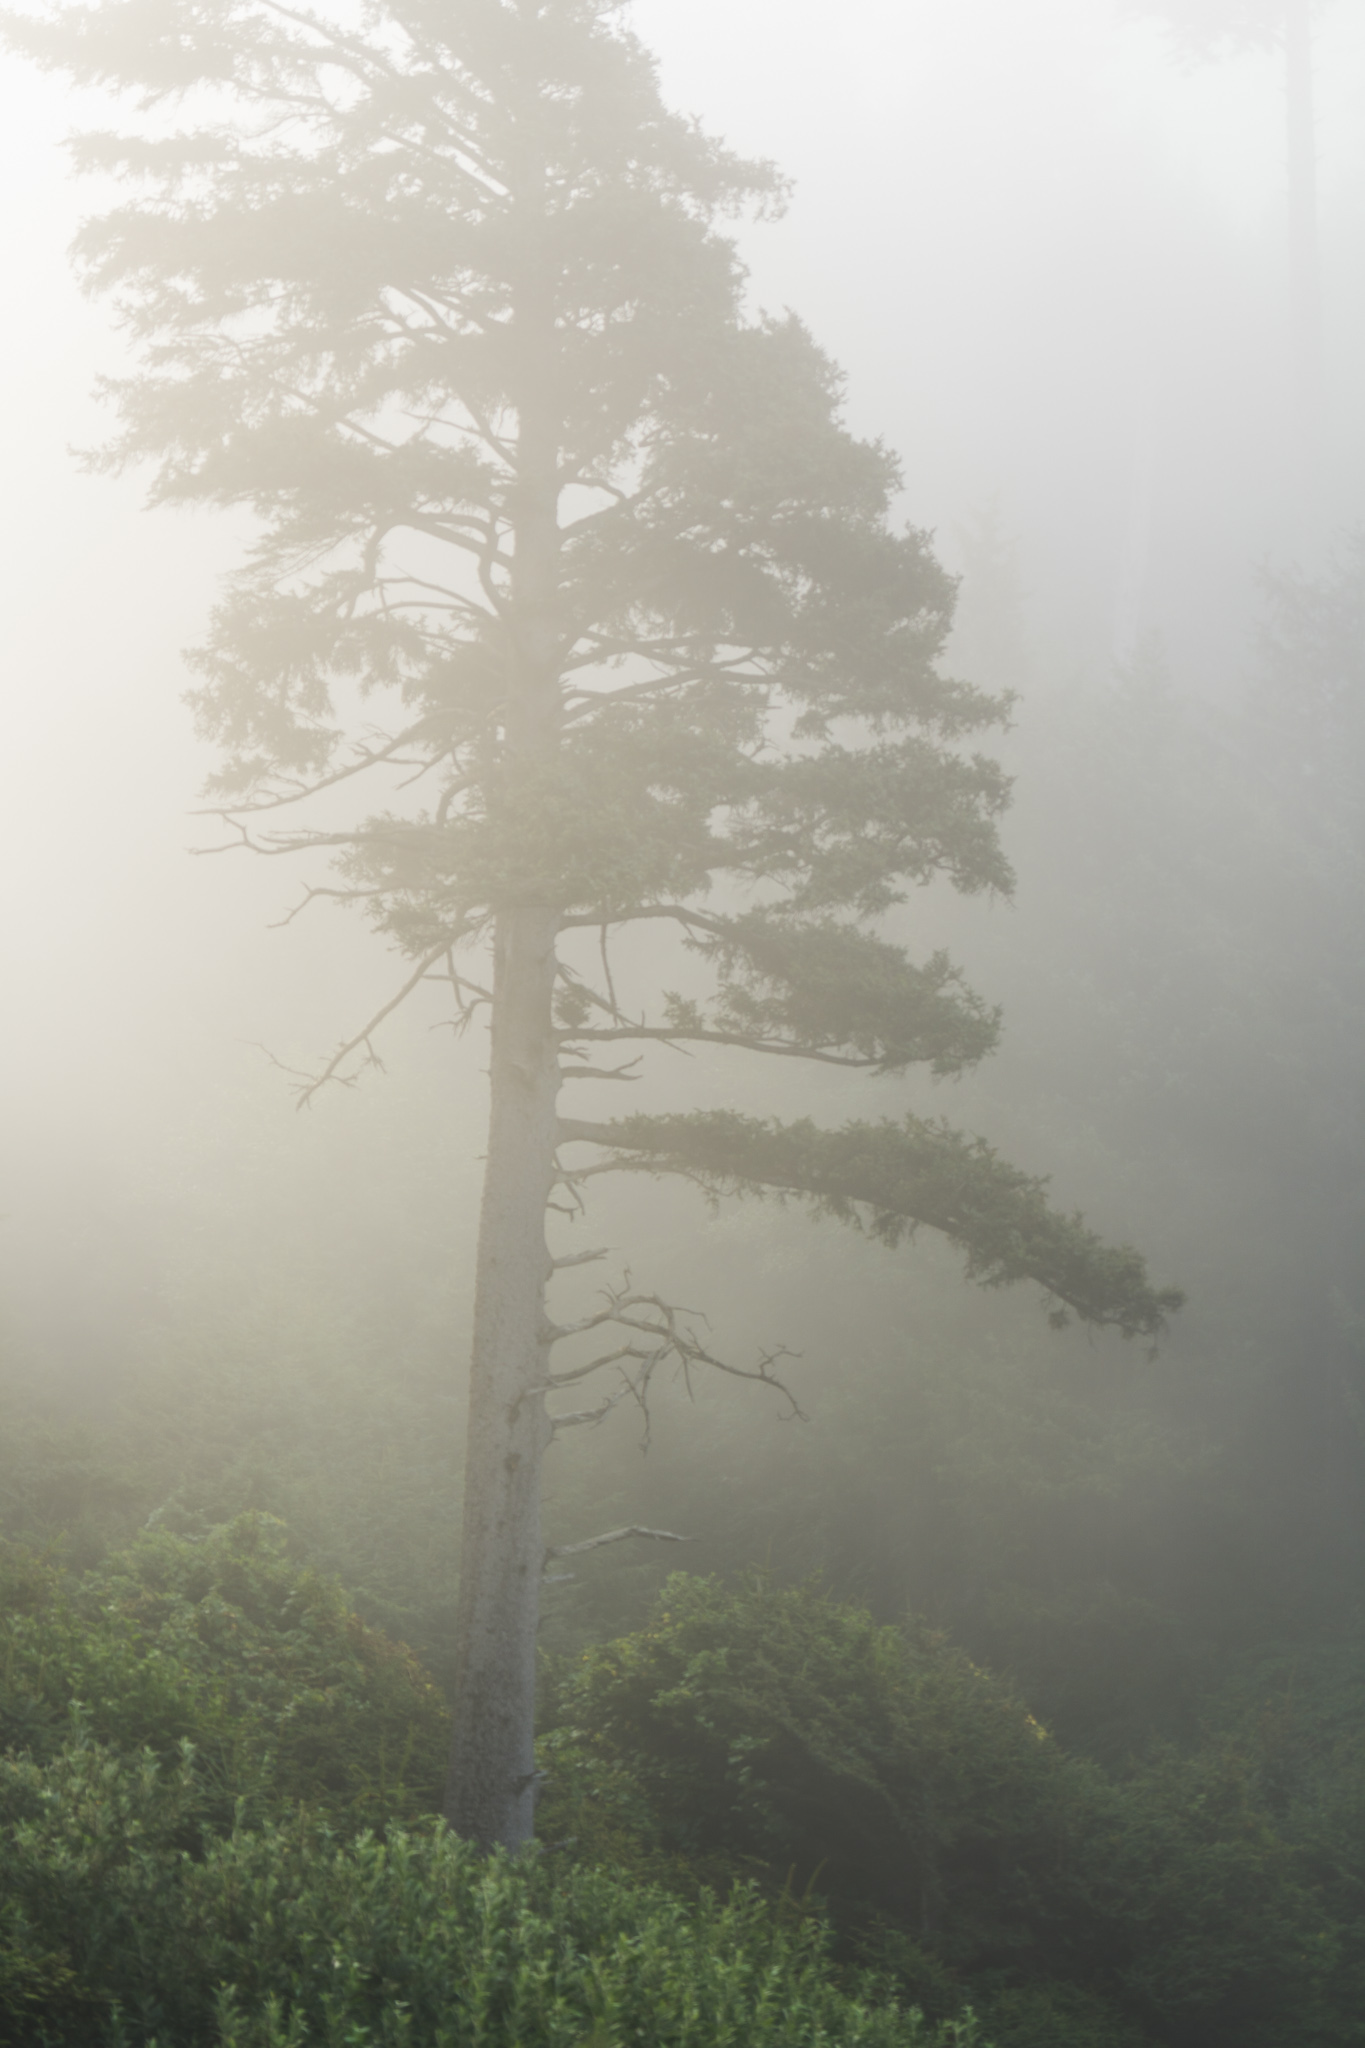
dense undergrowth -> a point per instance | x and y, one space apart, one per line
768 1819
215 1828
1204 1898
117 1930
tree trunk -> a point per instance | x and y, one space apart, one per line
489 1792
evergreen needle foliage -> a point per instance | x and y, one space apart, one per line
904 1175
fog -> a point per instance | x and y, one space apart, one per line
1050 254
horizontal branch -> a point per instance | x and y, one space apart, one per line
366 757
892 1178
616 1536
588 1418
679 912
668 1034
570 1375
599 1073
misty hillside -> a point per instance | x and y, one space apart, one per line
941 1606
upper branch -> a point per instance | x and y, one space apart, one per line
670 1035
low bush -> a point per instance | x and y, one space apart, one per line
117 1934
196 1733
773 1730
223 1641
769 1819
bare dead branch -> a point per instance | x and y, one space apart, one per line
589 1417
331 1072
469 995
615 1536
606 971
279 843
570 1375
624 1073
670 1336
678 912
311 894
365 757
585 989
294 1073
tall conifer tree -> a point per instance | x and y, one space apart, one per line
574 564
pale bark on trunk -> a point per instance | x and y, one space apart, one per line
490 1788
492 1765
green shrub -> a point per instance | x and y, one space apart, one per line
287 1934
197 1734
222 1640
1060 2016
954 1842
778 1725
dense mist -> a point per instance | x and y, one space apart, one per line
1046 241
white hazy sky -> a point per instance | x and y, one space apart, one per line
1019 226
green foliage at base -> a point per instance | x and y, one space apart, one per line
769 1819
195 1734
951 1838
285 1693
778 1725
115 1932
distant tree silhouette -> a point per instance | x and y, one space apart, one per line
1213 28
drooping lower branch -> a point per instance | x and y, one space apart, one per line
892 1178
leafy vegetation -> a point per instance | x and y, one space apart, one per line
1113 1797
1184 1899
909 1175
767 1817
290 1934
285 1695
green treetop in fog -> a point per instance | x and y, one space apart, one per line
578 608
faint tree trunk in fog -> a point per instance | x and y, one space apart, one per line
502 1549
989 637
443 300
1305 276
1207 28
1136 549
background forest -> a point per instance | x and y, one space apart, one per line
1032 1662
